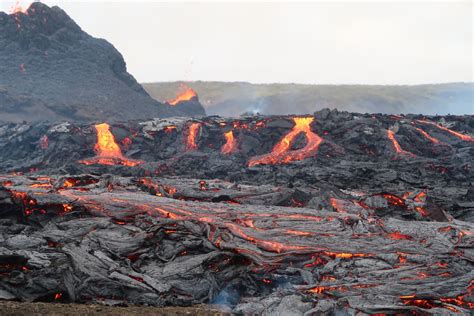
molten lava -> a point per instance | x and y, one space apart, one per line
394 200
108 152
454 133
187 95
231 145
192 137
427 136
281 152
338 205
396 145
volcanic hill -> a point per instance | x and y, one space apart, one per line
52 70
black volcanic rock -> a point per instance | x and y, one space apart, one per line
373 222
52 70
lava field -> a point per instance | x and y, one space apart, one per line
331 213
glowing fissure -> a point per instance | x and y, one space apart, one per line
464 137
231 145
396 144
281 153
192 137
275 246
108 152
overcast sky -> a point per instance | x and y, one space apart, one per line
405 42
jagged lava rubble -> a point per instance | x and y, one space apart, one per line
328 213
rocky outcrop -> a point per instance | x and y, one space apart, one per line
53 70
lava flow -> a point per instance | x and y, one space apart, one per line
281 154
192 136
187 95
450 131
108 152
396 145
231 145
427 136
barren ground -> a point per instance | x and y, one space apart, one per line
19 308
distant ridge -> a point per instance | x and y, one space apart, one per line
234 98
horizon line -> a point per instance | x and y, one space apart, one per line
310 84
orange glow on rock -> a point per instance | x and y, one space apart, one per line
399 236
192 137
107 149
450 131
396 144
324 289
421 211
187 95
281 153
427 136
394 200
402 258
337 205
420 197
169 129
346 255
230 145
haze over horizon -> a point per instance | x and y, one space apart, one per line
311 43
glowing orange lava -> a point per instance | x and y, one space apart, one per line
108 152
231 145
394 200
192 137
281 154
398 236
187 95
420 197
324 289
427 136
454 133
445 302
337 205
396 145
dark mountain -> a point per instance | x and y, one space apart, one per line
50 69
235 98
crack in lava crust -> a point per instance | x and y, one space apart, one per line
150 246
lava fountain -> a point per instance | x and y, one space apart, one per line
186 95
281 153
108 152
